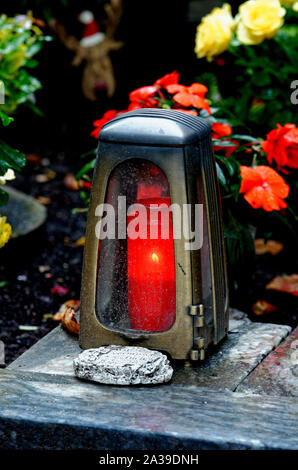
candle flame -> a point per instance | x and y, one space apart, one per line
155 258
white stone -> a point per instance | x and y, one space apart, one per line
123 365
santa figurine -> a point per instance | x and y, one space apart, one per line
92 34
94 49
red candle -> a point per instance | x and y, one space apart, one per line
151 274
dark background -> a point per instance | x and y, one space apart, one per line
159 37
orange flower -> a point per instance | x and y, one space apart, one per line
220 130
263 187
187 111
190 95
281 146
168 79
223 130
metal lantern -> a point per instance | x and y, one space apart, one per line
144 285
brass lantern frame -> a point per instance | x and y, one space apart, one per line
187 164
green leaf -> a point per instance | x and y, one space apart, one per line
89 166
4 166
245 138
6 120
220 175
3 197
13 157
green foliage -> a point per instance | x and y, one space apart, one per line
20 41
263 76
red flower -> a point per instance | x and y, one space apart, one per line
219 61
263 187
281 146
142 94
87 185
111 114
187 111
190 95
223 130
168 79
134 105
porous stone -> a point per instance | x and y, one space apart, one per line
23 212
123 365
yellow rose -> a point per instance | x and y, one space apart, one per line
259 20
214 32
5 231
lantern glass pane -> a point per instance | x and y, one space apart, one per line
136 267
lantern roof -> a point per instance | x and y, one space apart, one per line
155 127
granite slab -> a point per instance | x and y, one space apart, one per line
44 411
44 406
278 373
245 347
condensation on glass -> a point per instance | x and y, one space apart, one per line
136 274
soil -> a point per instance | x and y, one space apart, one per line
32 266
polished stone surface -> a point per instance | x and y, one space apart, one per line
43 406
44 411
247 344
278 373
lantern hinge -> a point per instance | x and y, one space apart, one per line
196 355
197 312
199 353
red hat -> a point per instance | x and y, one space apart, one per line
92 35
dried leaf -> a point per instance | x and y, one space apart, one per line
271 246
80 242
287 284
74 304
51 174
42 178
33 158
70 182
262 306
67 315
45 201
69 321
44 268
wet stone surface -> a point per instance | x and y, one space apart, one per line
278 373
246 346
43 405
